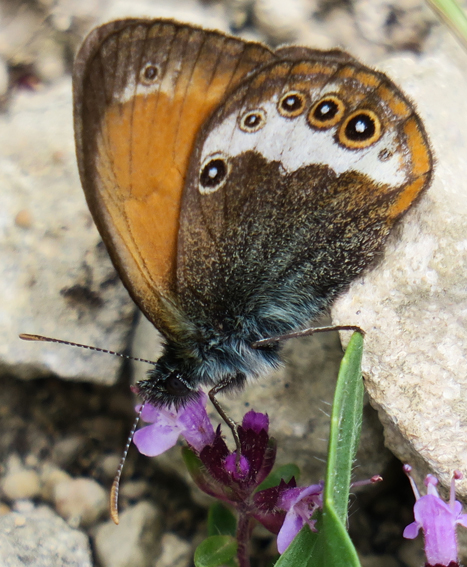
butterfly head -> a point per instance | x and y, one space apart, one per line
166 388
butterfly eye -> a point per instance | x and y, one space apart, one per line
175 386
361 129
327 112
292 104
149 74
253 121
213 174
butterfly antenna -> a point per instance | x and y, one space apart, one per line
28 337
116 483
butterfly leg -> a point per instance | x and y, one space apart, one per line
305 333
226 384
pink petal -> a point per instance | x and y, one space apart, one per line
151 414
255 421
230 465
290 528
195 424
439 529
155 439
292 496
411 531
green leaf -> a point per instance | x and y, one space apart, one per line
221 521
346 424
215 551
331 545
453 15
335 547
285 472
192 462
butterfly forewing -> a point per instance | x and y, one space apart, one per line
142 89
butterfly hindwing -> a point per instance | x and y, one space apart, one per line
288 197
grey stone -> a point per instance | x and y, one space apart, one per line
57 279
413 305
40 538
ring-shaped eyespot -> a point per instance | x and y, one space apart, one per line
292 104
253 120
360 129
149 74
213 174
327 112
175 386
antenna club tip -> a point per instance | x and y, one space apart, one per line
27 337
114 502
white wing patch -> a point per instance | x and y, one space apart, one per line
295 144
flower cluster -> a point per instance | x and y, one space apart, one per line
232 478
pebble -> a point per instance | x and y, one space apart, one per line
4 80
23 219
134 490
21 484
66 450
135 541
80 501
176 552
50 477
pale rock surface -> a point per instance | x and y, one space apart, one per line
135 541
40 538
283 21
239 12
398 24
209 15
56 277
413 306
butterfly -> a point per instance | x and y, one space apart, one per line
239 190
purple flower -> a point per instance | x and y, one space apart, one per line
240 471
256 421
266 509
191 421
438 520
300 505
257 456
